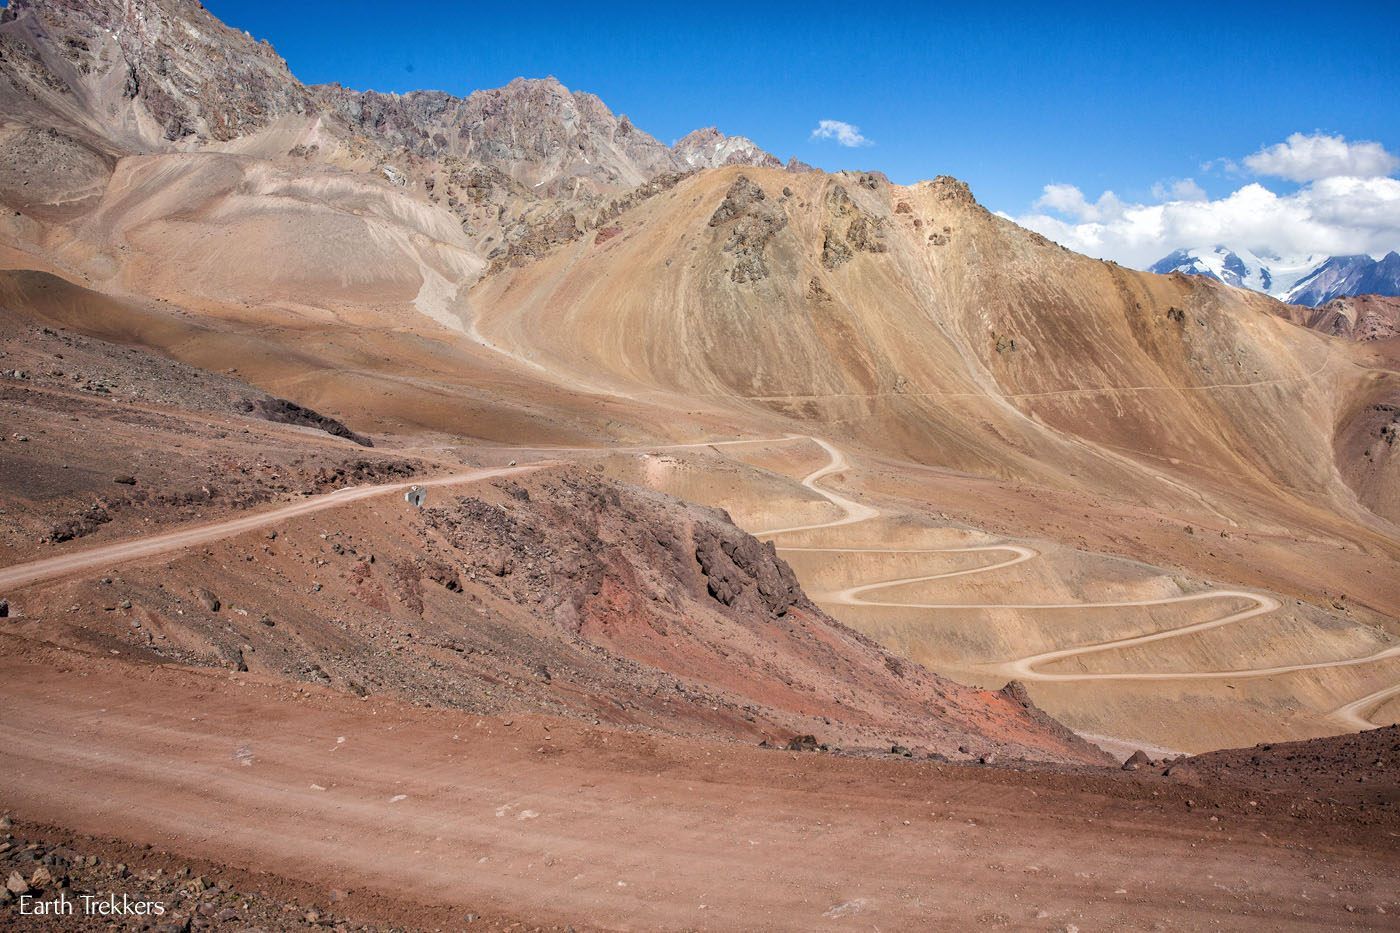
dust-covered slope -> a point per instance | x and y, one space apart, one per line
919 322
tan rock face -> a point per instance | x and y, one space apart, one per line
1359 317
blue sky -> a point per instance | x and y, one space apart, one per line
1009 97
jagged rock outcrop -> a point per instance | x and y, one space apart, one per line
850 229
287 412
741 570
192 75
535 130
754 223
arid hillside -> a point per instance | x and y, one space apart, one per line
917 322
620 534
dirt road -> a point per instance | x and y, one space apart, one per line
550 820
165 542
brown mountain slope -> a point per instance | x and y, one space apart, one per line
918 322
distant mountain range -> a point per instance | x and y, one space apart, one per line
1310 281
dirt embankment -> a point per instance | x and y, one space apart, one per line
1360 770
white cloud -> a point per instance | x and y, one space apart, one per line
1333 216
844 133
1345 205
1067 199
1310 158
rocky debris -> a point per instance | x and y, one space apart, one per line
947 188
804 743
162 56
81 523
659 589
1138 759
62 359
200 80
529 127
835 250
867 234
616 207
742 195
16 884
201 466
1361 767
816 291
444 574
283 411
43 158
838 202
797 166
528 240
160 891
754 223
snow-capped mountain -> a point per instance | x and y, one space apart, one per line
1311 281
1341 276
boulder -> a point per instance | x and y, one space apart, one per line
210 601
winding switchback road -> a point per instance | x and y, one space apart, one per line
1026 669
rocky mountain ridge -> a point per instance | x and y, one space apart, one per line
166 73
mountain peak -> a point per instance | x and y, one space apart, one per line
707 147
